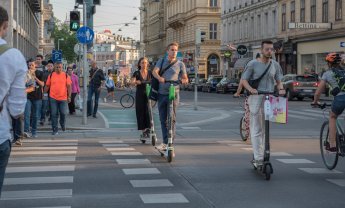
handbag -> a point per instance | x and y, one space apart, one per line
155 83
254 83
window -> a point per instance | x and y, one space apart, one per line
213 3
338 10
313 11
292 11
213 31
302 17
283 17
324 10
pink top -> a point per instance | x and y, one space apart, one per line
75 84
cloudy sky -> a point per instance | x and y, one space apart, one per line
111 14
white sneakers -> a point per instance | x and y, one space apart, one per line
105 100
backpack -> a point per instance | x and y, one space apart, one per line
3 49
339 75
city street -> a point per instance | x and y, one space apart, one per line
111 168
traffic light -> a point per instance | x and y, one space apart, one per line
96 2
203 36
74 17
79 1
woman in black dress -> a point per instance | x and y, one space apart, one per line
139 77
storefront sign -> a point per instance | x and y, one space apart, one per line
342 44
227 54
242 50
300 25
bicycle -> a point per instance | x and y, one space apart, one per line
244 122
169 153
127 100
330 159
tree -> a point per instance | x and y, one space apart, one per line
61 30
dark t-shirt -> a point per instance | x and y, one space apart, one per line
96 80
37 94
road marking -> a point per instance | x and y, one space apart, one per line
248 149
53 144
222 116
104 119
305 113
42 159
230 142
163 198
126 153
151 183
39 169
190 128
49 140
54 207
132 161
110 141
300 117
120 149
141 171
295 161
319 171
44 153
281 154
36 194
115 145
44 148
239 145
38 180
122 123
339 182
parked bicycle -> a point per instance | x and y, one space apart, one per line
244 122
128 99
330 159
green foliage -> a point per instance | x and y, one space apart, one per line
61 30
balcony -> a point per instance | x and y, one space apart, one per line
176 20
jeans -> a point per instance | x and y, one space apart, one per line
163 108
58 107
96 91
257 131
45 109
71 105
17 125
5 151
32 107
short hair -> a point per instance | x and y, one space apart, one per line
172 44
39 55
266 42
258 55
50 62
3 16
109 72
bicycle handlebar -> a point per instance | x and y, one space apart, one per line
173 81
321 106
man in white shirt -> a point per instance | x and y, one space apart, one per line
12 92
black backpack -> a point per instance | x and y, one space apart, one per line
339 75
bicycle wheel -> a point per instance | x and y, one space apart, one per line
243 129
127 101
330 159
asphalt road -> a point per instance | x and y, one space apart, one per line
111 168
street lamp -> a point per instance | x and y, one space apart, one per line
59 42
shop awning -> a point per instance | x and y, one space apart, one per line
241 63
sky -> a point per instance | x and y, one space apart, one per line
111 14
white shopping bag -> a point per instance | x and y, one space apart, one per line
279 110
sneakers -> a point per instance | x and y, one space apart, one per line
55 133
42 122
330 149
257 163
27 134
114 101
94 116
63 128
162 147
105 100
18 142
34 135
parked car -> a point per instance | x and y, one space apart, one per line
227 85
300 86
211 84
190 85
201 83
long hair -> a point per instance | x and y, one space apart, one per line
142 58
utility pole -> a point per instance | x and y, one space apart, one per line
85 70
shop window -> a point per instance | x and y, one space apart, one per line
302 12
338 10
292 11
324 10
283 17
313 11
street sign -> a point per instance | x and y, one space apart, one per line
242 50
227 54
56 55
78 49
342 44
85 35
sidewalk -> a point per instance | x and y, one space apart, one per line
74 122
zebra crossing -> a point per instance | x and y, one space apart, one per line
40 171
135 167
290 159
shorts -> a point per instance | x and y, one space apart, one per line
338 104
110 89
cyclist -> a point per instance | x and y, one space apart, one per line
175 70
254 69
335 77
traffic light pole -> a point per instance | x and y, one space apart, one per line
85 69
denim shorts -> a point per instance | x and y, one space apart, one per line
338 104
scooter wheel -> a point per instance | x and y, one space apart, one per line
153 140
170 156
268 171
162 155
143 141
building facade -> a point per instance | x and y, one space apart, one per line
153 28
320 30
46 27
246 22
23 32
184 17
